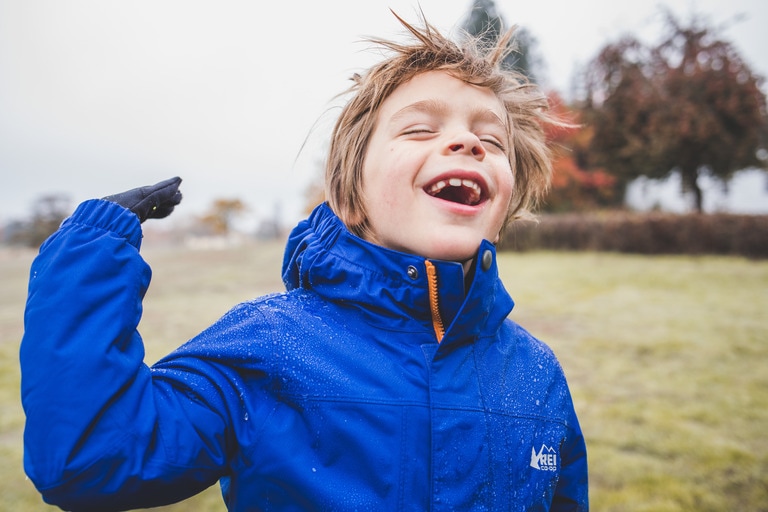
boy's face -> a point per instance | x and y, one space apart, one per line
436 177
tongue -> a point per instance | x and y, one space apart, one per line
462 195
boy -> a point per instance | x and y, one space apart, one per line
386 377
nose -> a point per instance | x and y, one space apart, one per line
467 143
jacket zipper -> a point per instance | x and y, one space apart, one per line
437 320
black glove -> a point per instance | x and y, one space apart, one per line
152 202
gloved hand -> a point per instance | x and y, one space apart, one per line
151 202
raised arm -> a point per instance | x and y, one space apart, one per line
100 433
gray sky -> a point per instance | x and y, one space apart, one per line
99 96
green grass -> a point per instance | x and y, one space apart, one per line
667 358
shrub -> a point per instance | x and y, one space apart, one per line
644 233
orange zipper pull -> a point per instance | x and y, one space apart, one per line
437 321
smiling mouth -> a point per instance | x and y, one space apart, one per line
457 190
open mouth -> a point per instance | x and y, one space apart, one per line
457 190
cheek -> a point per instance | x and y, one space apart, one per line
379 196
387 175
506 186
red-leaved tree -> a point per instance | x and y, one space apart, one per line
576 185
689 104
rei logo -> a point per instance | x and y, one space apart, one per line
545 459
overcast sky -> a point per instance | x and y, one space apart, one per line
98 96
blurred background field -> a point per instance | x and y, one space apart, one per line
666 356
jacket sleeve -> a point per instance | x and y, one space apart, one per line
101 433
572 492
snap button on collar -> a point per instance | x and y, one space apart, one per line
487 260
412 272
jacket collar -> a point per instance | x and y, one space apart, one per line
390 287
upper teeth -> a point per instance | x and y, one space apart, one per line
454 182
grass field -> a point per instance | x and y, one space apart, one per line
667 359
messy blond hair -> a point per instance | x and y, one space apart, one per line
471 61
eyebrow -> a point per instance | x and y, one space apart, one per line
432 106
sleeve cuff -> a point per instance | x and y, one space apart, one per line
108 216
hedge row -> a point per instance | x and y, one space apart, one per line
644 233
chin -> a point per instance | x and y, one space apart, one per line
460 253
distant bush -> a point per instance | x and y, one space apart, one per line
643 233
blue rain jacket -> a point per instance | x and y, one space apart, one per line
334 395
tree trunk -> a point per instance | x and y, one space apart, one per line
698 199
690 179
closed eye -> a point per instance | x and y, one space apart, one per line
418 129
494 142
418 133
